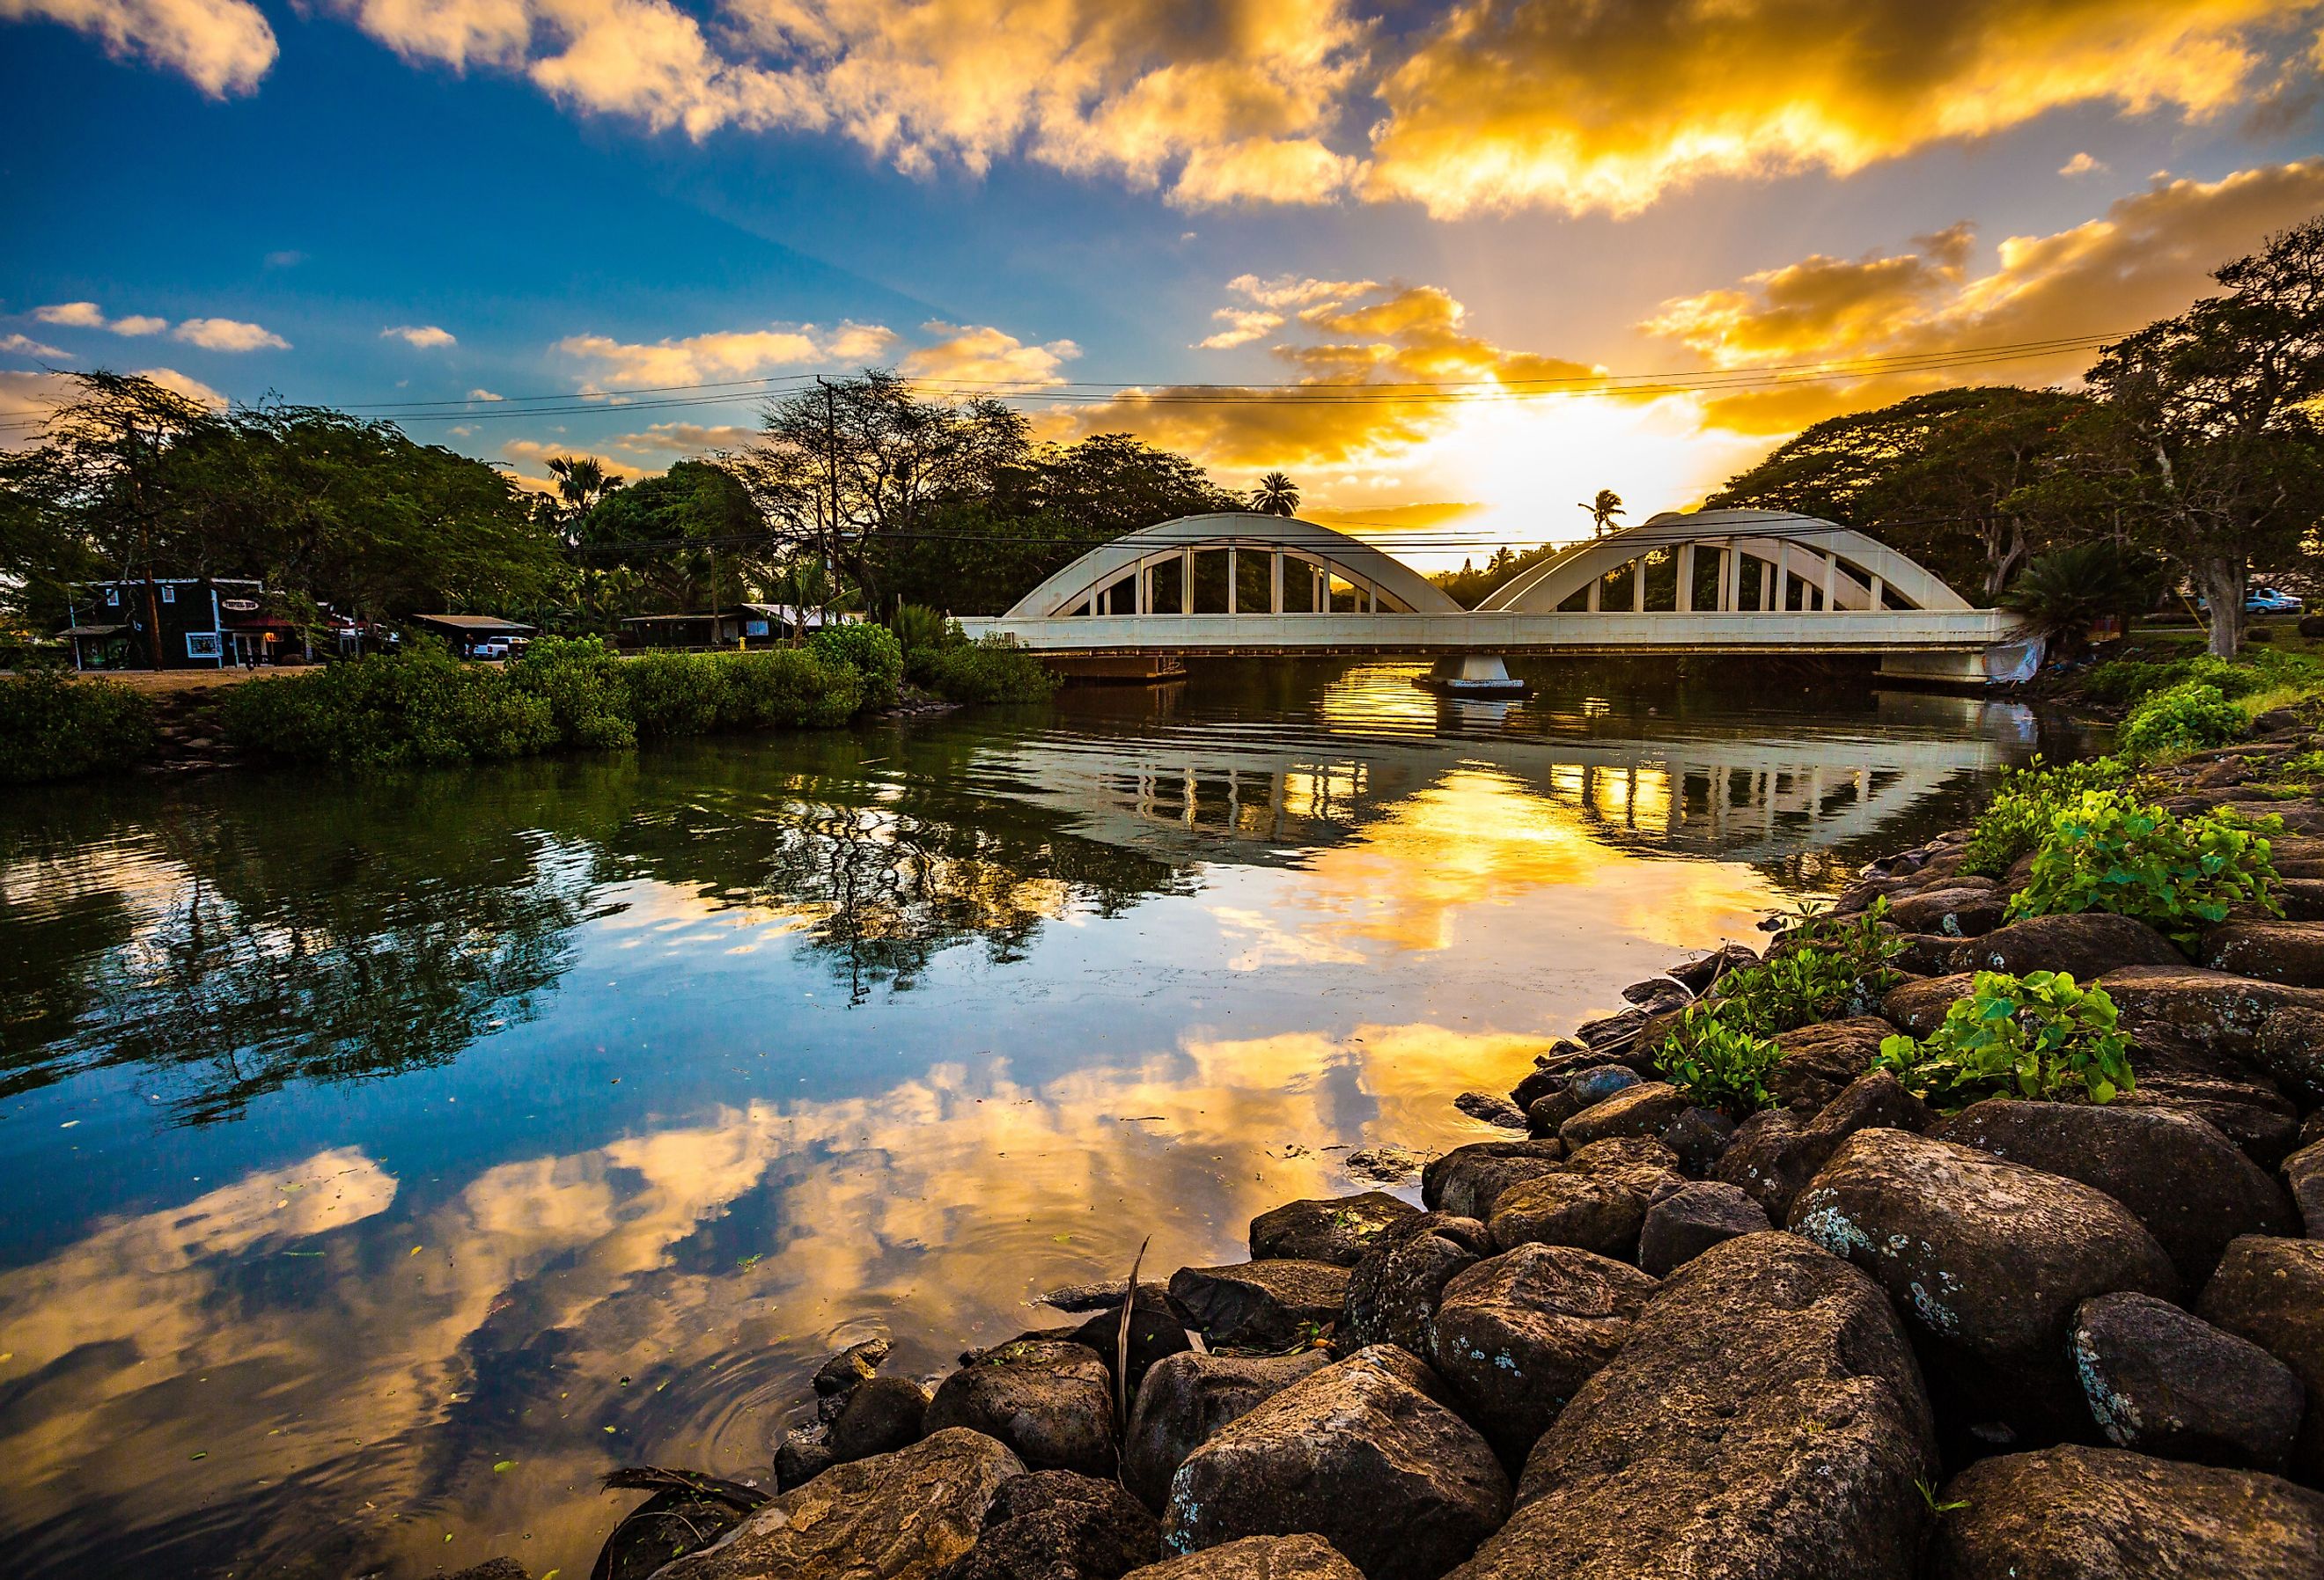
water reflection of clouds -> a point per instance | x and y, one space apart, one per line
342 1364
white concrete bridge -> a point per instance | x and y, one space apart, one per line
1742 581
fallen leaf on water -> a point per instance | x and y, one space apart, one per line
609 1428
504 1464
199 1453
415 1250
749 1260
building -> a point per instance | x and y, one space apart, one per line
725 629
203 623
477 635
784 621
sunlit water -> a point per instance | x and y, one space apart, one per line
385 1162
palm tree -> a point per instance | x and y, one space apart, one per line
1275 496
2063 592
1602 511
581 482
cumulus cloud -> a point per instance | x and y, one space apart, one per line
1243 325
484 396
1230 102
2147 256
723 356
682 439
18 345
229 335
221 46
530 453
87 315
1504 106
2082 164
1394 342
420 337
983 355
192 388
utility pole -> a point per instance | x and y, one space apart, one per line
831 473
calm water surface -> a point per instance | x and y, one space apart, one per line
385 1162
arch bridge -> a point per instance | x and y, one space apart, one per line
1726 580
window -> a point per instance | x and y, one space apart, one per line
168 595
201 644
113 597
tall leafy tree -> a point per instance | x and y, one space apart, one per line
692 538
2209 427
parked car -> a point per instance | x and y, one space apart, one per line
499 648
2263 601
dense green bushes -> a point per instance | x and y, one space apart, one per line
2187 718
2126 681
870 650
423 705
2029 800
938 658
2040 1036
2106 852
55 727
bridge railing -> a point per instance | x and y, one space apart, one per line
1821 630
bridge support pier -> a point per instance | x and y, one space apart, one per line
1477 675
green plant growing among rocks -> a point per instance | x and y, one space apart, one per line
1718 1062
2027 803
1826 966
2041 1037
2107 852
2187 718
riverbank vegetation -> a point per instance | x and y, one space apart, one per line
52 727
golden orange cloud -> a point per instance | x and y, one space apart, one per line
2149 256
1508 105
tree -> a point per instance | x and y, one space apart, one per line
693 538
2064 591
1275 496
1603 508
582 484
853 463
1949 478
2209 427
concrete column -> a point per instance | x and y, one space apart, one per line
1234 575
1830 583
1596 587
1275 581
1145 589
1685 605
1879 595
1639 585
1730 578
1186 581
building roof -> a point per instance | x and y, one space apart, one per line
92 631
641 619
175 581
472 622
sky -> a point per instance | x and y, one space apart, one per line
1452 268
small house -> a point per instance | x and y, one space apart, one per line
783 621
171 623
723 629
476 636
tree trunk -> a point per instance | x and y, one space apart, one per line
2222 578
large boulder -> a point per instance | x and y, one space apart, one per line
2084 945
2172 1385
2192 1189
1364 1453
1684 1223
1466 1181
1819 1061
2272 1292
1919 1006
1054 1525
1302 1556
900 1516
2289 952
1698 975
2079 1513
1155 1332
1392 1293
1186 1398
2303 1175
2291 1050
1492 1108
1338 1229
1772 1159
881 1415
1595 1199
1986 1255
1050 1401
1563 1098
1516 1335
1765 1422
1962 909
2250 1113
1261 1305
2212 1011
1645 1109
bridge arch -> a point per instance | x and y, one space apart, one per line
1835 568
1309 569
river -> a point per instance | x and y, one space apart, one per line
385 1162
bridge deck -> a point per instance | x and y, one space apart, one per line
1888 631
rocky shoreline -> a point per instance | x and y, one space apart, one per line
1850 1335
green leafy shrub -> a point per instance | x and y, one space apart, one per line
920 629
2041 1037
399 710
1825 968
698 694
984 671
2187 718
870 650
1718 1061
2028 801
52 726
2125 681
580 678
2106 852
